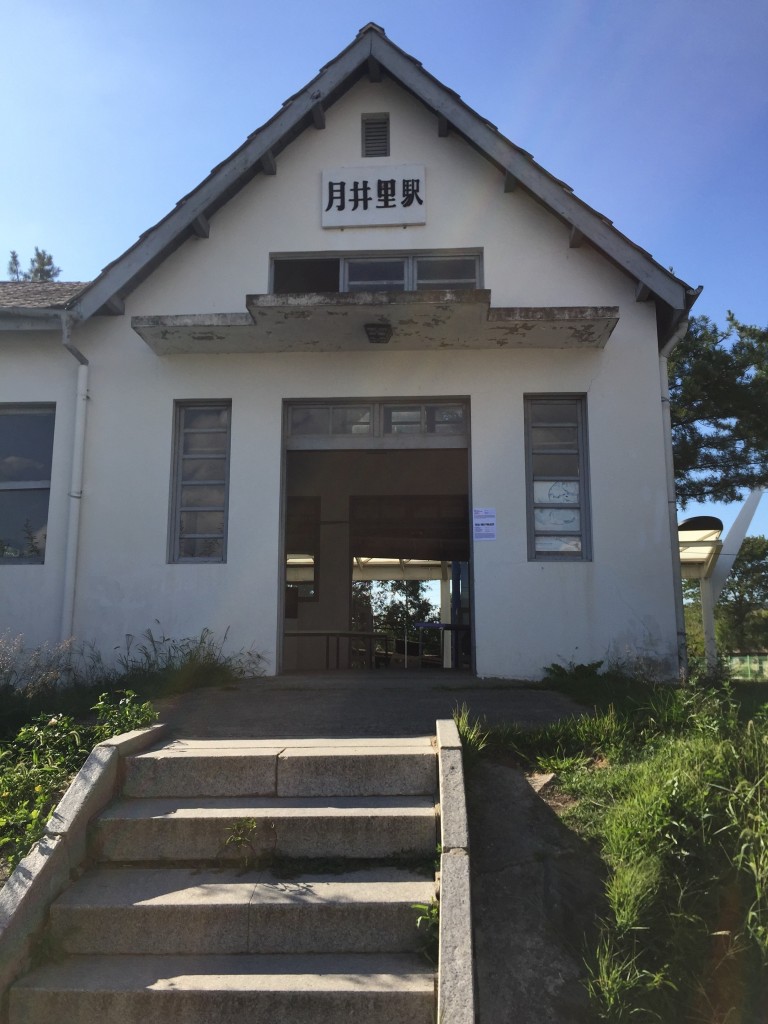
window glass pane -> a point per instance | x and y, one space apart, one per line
557 520
451 271
23 525
26 443
402 420
305 276
199 498
205 442
206 418
558 545
202 522
202 548
300 576
543 438
351 419
206 496
553 412
445 419
300 567
562 465
364 274
556 492
212 470
307 419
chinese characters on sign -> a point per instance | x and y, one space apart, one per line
362 196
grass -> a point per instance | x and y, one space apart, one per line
57 702
67 679
671 784
38 764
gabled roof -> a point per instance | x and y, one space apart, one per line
39 294
372 54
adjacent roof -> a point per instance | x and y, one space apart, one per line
39 294
372 54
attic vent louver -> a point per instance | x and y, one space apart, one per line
375 134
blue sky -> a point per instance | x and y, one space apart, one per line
655 113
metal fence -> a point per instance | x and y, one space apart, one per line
753 667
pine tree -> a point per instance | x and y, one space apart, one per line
719 401
41 267
14 267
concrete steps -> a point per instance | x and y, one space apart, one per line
379 989
182 919
186 911
175 829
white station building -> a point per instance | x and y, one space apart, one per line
377 342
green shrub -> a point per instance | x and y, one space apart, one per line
38 765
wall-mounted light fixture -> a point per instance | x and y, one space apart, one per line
378 334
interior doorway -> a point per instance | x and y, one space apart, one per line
376 546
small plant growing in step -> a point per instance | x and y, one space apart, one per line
428 922
473 733
254 840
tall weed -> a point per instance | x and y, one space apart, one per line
473 733
68 678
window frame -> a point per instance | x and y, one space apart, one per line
435 428
409 259
176 509
14 486
583 505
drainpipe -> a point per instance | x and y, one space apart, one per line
677 576
76 481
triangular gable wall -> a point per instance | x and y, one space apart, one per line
372 54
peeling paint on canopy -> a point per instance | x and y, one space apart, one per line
335 322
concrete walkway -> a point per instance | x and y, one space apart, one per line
384 703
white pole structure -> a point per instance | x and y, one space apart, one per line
76 484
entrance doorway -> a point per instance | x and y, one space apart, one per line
376 540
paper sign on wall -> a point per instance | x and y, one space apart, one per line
484 523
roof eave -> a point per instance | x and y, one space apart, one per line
125 273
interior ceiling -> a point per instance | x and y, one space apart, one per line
399 504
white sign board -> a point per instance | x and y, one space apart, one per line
484 523
358 197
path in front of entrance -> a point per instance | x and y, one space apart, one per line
535 885
378 703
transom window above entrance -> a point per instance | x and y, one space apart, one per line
384 423
382 272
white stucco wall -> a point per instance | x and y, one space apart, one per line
527 614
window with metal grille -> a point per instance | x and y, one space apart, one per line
557 484
375 134
200 485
